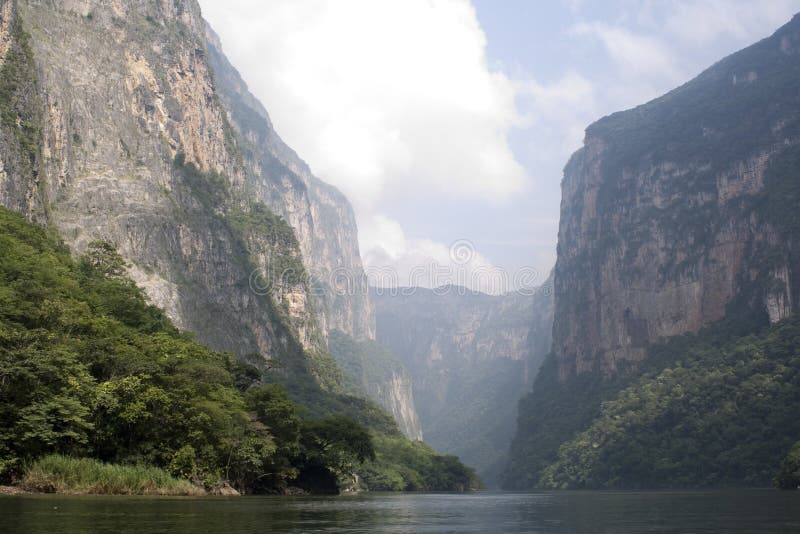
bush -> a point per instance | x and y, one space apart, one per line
62 474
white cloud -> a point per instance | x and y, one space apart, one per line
700 23
556 115
385 100
392 260
394 101
653 46
634 53
376 94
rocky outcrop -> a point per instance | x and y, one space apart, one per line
471 357
135 95
321 216
122 121
370 370
397 395
679 213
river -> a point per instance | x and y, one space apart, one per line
762 511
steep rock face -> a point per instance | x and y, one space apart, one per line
124 89
114 128
471 357
321 216
679 212
372 371
124 121
397 395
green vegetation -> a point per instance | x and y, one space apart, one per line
399 464
20 119
716 408
311 377
89 370
269 234
61 474
209 188
704 410
403 465
789 475
363 362
266 249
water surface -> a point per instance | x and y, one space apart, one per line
764 511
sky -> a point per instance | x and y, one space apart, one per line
447 123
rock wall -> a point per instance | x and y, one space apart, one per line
372 371
124 121
321 216
677 213
120 130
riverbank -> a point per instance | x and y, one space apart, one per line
80 476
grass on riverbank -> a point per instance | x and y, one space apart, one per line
61 474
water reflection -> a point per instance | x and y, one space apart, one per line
596 512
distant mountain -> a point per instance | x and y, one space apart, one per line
471 357
677 215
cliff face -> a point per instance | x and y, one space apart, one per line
471 357
679 212
370 370
321 216
123 121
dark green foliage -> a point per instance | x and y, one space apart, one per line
403 465
109 292
549 416
209 188
363 362
712 409
88 368
311 378
18 96
789 476
337 444
276 415
704 410
269 234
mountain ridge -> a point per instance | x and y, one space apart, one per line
675 289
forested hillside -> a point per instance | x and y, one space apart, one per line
677 251
705 410
89 369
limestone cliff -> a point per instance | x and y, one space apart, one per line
679 212
123 121
372 371
471 357
321 216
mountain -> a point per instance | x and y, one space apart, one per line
92 371
471 356
678 218
124 121
371 371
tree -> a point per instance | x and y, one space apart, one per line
338 442
789 476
